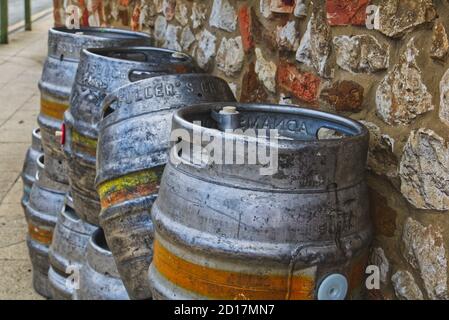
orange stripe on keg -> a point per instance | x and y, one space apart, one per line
135 185
41 235
53 109
222 284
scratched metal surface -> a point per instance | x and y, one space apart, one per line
307 220
134 141
100 72
67 250
58 76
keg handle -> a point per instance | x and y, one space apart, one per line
107 102
137 75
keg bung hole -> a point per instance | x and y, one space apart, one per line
200 95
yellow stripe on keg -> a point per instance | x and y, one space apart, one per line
222 284
135 185
53 109
41 235
84 144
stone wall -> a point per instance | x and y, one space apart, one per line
390 73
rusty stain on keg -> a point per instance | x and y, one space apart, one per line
357 274
41 235
138 184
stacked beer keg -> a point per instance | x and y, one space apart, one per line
156 183
45 169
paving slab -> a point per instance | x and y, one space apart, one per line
21 64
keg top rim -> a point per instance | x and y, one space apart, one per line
102 52
98 33
358 129
112 97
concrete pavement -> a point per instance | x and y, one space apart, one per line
16 9
21 64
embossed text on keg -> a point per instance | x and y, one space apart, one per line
167 89
281 124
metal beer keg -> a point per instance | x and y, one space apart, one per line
100 72
58 76
45 204
132 150
291 223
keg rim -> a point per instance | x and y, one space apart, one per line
98 52
361 131
131 35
